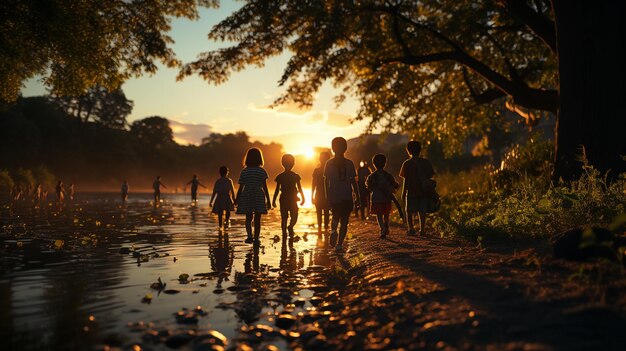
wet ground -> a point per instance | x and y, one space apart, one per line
86 276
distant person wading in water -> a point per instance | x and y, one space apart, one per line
195 182
59 192
156 185
124 189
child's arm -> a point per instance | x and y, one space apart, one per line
313 192
163 185
267 195
241 186
299 186
212 197
276 193
355 189
202 185
232 190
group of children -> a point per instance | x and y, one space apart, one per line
40 194
334 190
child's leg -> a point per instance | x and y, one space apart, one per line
422 214
319 213
226 223
386 221
335 221
219 219
257 225
343 229
381 222
249 224
409 220
293 220
326 218
283 221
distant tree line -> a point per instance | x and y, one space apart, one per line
87 141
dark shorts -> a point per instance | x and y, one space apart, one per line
382 208
288 205
194 195
417 204
342 209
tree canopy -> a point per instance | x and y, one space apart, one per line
109 108
433 68
77 44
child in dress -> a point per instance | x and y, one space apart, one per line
340 182
318 193
288 185
253 198
223 194
382 185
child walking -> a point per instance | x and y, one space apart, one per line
340 184
288 185
318 193
223 194
417 187
381 184
252 198
195 182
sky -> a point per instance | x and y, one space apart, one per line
195 108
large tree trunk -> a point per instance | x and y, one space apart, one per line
592 86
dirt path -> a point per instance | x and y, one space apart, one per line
443 293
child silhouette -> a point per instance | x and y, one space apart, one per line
223 194
288 185
252 198
318 193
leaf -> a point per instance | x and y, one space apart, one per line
58 244
183 277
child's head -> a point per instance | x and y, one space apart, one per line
324 157
195 176
254 158
223 171
288 161
414 148
379 161
339 146
158 177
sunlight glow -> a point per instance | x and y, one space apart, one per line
309 152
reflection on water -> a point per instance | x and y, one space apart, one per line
74 278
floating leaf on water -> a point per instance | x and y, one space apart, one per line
171 291
183 277
58 244
147 298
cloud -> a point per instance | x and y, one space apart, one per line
338 119
289 110
189 133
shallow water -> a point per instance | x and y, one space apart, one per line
78 277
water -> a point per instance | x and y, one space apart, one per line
74 278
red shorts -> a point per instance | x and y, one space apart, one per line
382 208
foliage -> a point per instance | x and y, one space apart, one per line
527 210
77 44
6 182
23 177
430 68
154 131
36 135
44 177
109 108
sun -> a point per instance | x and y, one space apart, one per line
309 152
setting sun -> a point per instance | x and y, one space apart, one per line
309 152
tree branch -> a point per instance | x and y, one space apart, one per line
543 27
486 96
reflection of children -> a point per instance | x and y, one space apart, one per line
124 190
38 193
416 172
288 185
253 198
59 192
220 257
382 185
195 182
71 191
319 195
223 193
362 173
156 185
340 184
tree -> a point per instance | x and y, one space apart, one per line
438 69
154 131
77 44
109 108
